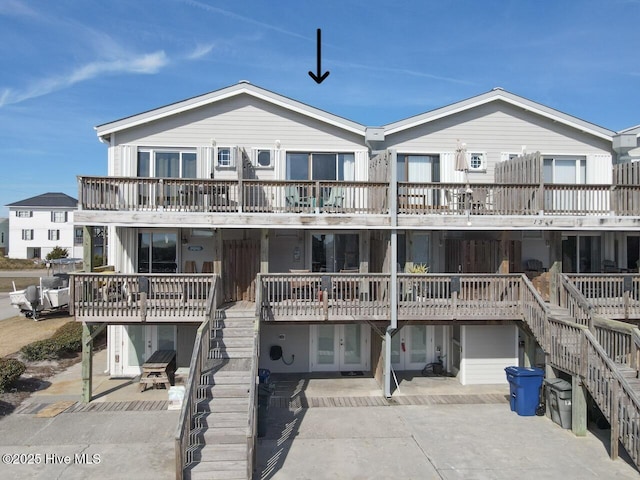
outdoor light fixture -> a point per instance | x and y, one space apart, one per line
277 143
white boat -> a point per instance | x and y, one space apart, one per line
52 294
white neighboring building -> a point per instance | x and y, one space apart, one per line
38 224
4 236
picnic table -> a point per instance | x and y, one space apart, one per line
158 369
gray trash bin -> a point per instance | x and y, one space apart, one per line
558 397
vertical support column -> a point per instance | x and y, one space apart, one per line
264 250
87 248
504 252
87 363
549 373
578 407
217 252
555 258
393 269
529 350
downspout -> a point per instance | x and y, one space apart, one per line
393 287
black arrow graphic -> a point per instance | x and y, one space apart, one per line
319 77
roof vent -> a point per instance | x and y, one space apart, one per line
497 88
244 81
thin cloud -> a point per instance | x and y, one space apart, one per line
16 9
143 64
200 51
402 71
242 18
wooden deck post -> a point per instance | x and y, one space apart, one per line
578 407
504 252
264 250
529 350
555 257
87 248
87 362
614 421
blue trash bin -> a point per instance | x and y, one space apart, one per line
524 386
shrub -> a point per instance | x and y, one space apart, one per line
57 252
47 349
10 371
66 339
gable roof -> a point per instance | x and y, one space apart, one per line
241 88
499 94
51 199
635 130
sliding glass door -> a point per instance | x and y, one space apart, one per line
157 252
334 252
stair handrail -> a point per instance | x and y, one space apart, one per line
252 423
182 437
535 312
616 401
571 298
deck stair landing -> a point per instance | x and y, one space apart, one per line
220 446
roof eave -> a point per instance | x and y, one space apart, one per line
591 129
163 112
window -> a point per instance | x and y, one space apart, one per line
226 157
27 234
565 170
477 162
418 168
58 217
262 158
167 164
77 236
157 252
24 213
54 235
320 166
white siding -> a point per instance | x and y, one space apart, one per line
40 223
496 128
242 121
486 351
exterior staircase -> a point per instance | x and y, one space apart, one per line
223 443
602 353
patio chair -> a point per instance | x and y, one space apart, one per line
294 199
609 266
335 200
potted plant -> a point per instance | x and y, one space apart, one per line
419 287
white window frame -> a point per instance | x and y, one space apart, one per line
231 163
53 235
152 159
27 234
59 217
24 213
578 161
255 155
482 156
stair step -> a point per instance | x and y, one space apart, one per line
240 331
230 470
231 353
222 405
224 419
226 435
222 452
226 391
238 341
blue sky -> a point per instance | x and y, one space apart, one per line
69 65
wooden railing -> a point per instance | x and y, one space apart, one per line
252 196
252 422
346 296
116 297
612 295
350 197
569 297
188 425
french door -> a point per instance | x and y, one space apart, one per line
339 347
412 347
140 341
